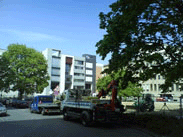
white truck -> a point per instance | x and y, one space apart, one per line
91 110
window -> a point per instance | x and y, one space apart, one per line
89 72
147 87
155 87
79 62
89 79
78 80
89 65
173 87
46 99
177 87
151 87
78 67
159 87
55 72
78 87
55 62
67 69
78 74
88 86
159 76
35 100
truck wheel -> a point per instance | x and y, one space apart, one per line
65 114
43 111
85 119
151 108
143 108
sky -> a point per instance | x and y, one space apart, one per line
71 26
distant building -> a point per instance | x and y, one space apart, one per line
152 86
70 72
99 69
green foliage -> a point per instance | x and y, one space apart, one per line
25 69
88 98
5 71
103 82
131 90
137 34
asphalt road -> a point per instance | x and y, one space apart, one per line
21 123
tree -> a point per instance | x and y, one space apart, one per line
23 69
146 38
5 71
131 90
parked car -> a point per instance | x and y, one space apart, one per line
3 110
14 102
4 101
160 99
21 104
28 100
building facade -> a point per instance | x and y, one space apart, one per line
70 72
152 86
99 69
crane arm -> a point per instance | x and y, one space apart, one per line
111 85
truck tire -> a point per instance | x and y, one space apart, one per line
85 119
65 115
151 108
143 108
43 111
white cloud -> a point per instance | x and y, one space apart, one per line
32 36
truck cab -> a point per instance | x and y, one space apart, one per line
43 104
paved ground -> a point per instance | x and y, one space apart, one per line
24 114
21 123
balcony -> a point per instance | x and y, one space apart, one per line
55 78
79 70
79 77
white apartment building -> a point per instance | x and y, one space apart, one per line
70 72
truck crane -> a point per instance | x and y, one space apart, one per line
92 110
112 85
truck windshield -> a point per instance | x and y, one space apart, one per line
46 99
